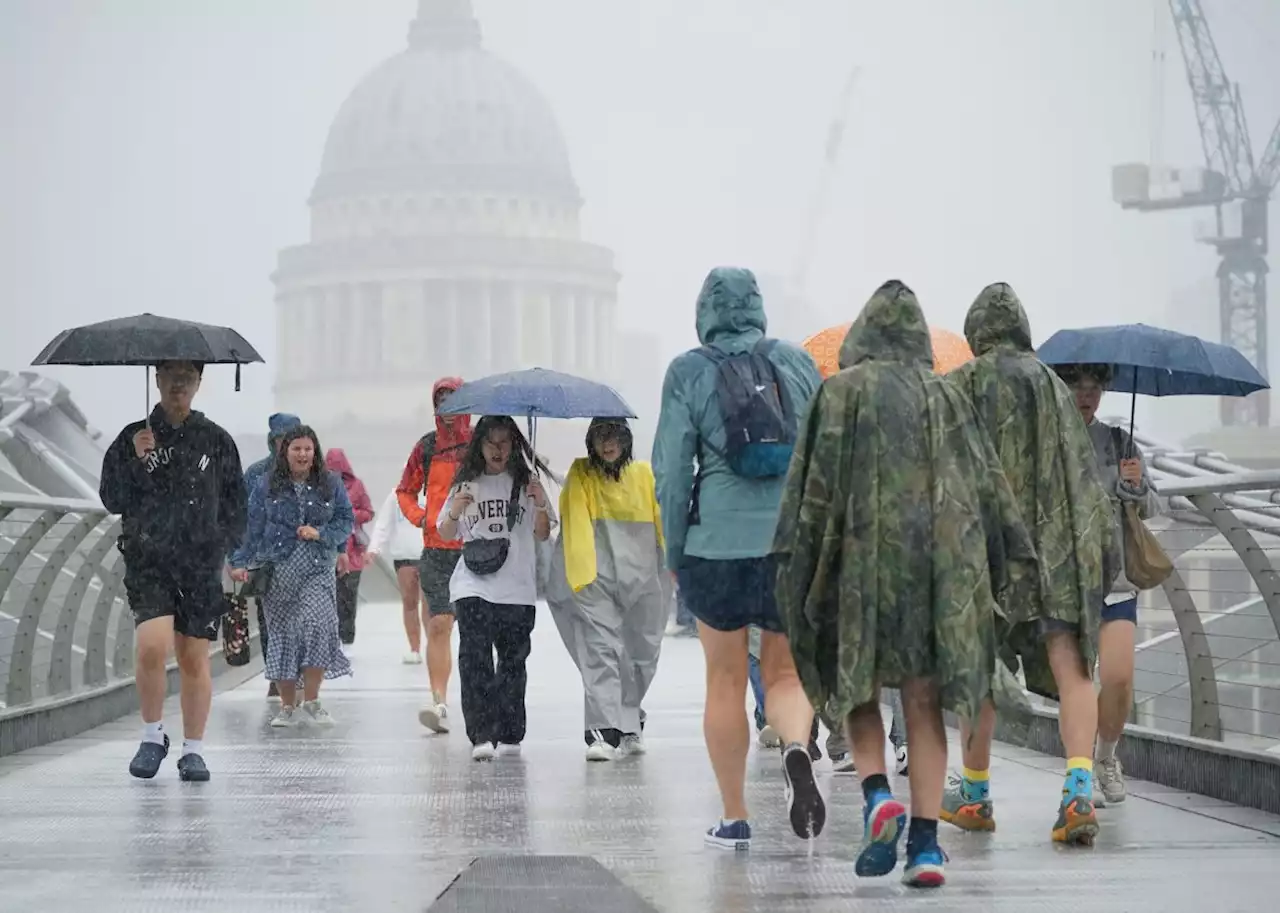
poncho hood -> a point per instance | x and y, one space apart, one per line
996 319
890 328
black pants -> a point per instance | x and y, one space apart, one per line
493 694
348 597
262 627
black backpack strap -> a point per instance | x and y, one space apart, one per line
428 454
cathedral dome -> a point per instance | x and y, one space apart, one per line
445 116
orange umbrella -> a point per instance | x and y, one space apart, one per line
950 350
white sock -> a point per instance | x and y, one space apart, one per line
1106 750
153 732
192 746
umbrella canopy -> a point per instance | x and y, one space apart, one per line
147 340
950 350
536 393
1156 362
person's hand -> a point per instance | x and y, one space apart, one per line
240 574
535 490
459 503
143 443
371 554
309 533
1131 471
344 564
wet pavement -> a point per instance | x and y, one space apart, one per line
377 814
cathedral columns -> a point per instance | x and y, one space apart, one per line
606 320
562 347
585 326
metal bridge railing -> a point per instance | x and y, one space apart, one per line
1208 655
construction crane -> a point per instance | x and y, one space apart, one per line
1238 190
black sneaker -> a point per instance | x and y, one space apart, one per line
805 808
192 769
146 763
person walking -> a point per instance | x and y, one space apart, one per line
1050 620
608 595
277 425
351 561
299 522
424 488
1126 480
726 431
894 519
497 508
396 537
175 480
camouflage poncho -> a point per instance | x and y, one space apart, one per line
895 524
1036 429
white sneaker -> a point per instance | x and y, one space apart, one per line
632 744
507 750
316 715
769 738
435 717
483 752
283 718
412 659
600 750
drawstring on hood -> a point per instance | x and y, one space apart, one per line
997 320
730 306
891 327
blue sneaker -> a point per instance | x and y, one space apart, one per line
884 820
925 868
146 763
730 835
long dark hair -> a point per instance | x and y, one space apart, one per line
603 429
282 476
522 459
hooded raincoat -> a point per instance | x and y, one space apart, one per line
896 527
449 438
737 516
608 593
336 461
1047 457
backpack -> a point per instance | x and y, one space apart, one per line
760 423
428 443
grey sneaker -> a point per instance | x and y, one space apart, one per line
283 718
769 738
1109 775
632 743
966 814
316 715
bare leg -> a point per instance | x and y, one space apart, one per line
288 693
865 731
928 740
786 705
312 678
724 721
975 744
197 684
410 597
151 643
439 653
1115 668
1078 708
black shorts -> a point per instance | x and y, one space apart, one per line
193 599
435 570
729 595
401 563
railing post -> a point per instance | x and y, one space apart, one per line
19 690
95 648
60 679
24 639
1206 721
1246 546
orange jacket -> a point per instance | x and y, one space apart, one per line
436 484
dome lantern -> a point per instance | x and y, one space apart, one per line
444 25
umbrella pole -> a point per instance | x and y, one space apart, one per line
1133 411
147 393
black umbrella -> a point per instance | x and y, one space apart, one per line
147 340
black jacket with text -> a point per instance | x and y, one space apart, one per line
184 507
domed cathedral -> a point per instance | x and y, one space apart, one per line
444 241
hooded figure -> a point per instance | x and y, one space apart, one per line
883 574
608 594
1044 449
351 562
278 425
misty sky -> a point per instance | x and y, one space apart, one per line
158 153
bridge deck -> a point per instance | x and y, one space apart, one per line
377 815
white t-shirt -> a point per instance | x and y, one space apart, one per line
516 582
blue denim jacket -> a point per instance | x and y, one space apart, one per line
274 518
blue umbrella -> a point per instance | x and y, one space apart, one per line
536 393
1156 362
